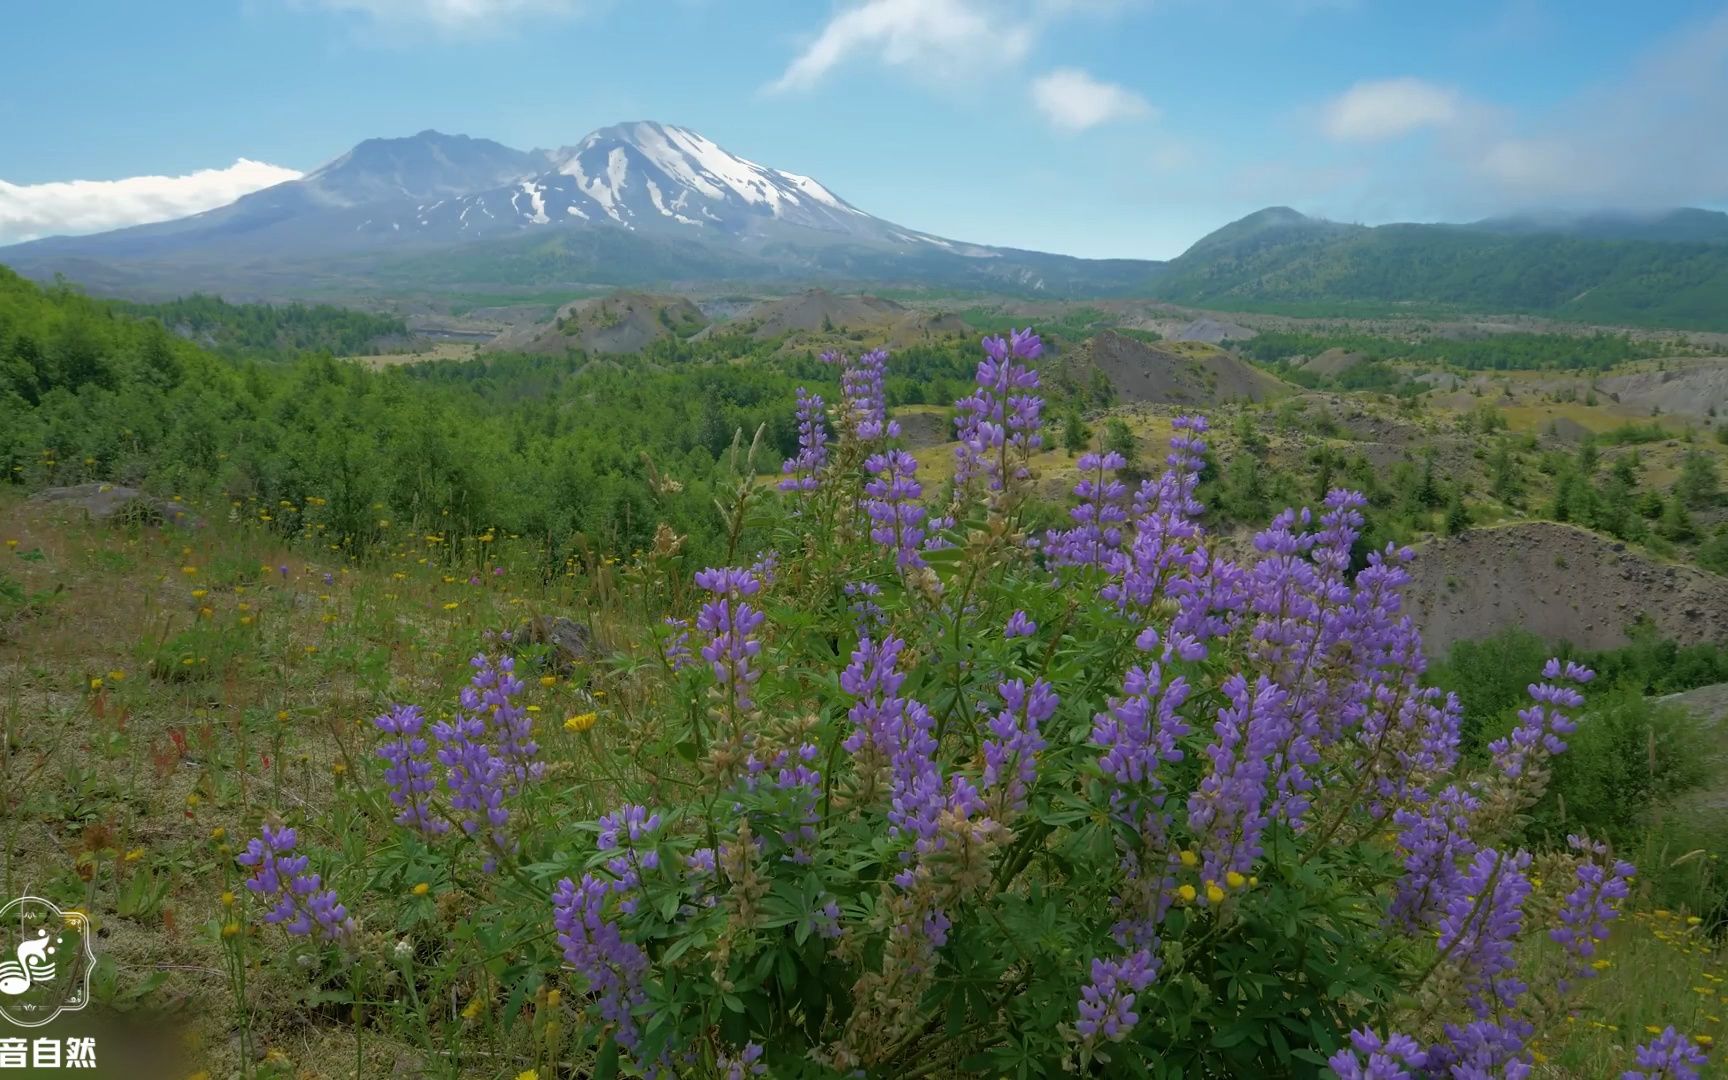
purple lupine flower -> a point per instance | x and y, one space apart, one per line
1369 1057
867 615
1173 492
731 622
804 471
1435 840
767 564
937 526
1002 418
872 677
1482 1050
299 902
1019 625
677 642
1483 917
409 774
1140 730
613 967
1538 735
796 776
893 507
630 823
628 830
863 397
748 1062
1228 809
493 694
1669 1056
1590 907
1010 752
825 921
477 779
1098 519
1107 1001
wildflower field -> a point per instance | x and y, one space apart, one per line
901 782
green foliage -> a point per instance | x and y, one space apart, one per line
1698 486
1317 268
1492 352
269 330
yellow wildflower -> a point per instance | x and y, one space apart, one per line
421 889
135 854
1186 894
1214 893
1235 880
1190 859
580 722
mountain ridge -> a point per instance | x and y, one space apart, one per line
649 204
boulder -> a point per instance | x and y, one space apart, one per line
116 502
570 643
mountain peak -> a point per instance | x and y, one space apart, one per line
428 165
1257 225
643 169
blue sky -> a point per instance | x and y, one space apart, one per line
1093 127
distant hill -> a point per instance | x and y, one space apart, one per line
616 325
1174 373
819 309
1665 271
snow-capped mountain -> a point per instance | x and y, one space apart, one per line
632 203
650 176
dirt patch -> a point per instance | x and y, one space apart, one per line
1211 331
1184 373
1561 583
924 425
1691 387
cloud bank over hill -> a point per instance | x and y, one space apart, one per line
28 211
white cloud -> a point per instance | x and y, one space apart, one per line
481 16
926 36
28 211
1388 108
1072 100
1651 138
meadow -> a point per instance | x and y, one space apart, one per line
871 775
